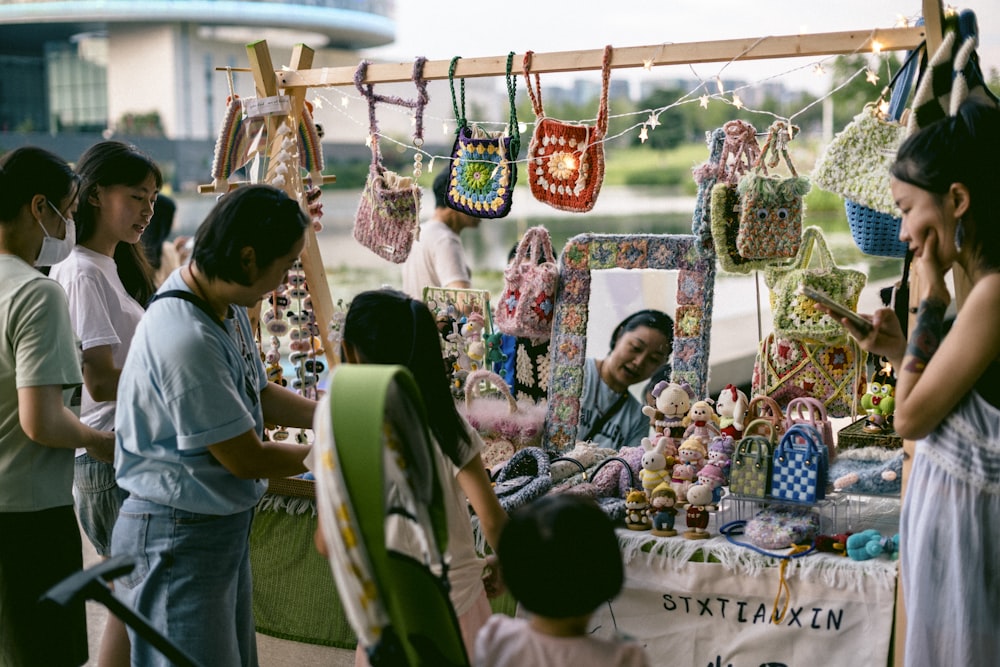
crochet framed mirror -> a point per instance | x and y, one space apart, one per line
587 253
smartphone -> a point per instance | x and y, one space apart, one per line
837 309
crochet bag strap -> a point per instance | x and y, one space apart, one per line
899 86
535 245
602 111
457 103
813 241
473 380
534 92
418 105
775 148
740 143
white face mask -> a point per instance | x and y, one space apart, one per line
55 250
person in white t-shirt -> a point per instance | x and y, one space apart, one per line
107 281
437 258
559 558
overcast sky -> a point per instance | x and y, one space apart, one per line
439 29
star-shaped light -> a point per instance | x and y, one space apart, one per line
653 121
871 77
317 103
818 69
737 102
876 46
703 101
344 101
522 127
368 141
643 134
718 84
647 64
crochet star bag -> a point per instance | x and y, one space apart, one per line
796 315
771 207
388 217
531 281
483 163
505 425
566 160
786 368
799 471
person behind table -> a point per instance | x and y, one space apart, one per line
193 399
948 389
609 415
108 282
388 327
40 378
437 258
559 558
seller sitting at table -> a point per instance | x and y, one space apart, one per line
609 415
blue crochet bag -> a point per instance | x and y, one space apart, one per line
800 467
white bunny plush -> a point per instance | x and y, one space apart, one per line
654 464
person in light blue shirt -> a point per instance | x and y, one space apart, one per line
192 402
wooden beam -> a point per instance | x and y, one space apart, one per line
788 46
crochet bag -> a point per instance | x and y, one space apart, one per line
505 425
786 368
388 217
740 144
531 282
566 160
808 410
750 474
765 407
855 165
523 478
796 315
483 163
779 527
771 207
799 471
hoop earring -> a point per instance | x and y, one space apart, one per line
959 234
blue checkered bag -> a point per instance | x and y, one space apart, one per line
800 468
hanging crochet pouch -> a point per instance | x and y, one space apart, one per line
799 471
505 425
750 474
483 163
786 368
795 314
771 206
531 281
740 152
566 160
388 217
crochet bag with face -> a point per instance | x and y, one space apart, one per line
799 471
750 474
771 207
786 368
388 217
566 160
796 315
483 163
531 281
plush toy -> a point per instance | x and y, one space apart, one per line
833 544
673 401
495 355
720 454
879 401
699 498
681 478
655 464
663 510
700 422
870 544
731 406
637 510
712 477
692 451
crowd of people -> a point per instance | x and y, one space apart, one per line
133 404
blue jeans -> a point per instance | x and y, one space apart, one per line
191 580
97 498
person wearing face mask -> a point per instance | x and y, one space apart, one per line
107 281
609 415
40 375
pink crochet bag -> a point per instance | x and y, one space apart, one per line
531 281
566 160
506 426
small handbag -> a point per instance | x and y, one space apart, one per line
505 425
799 471
796 315
388 217
750 474
566 160
523 478
483 163
808 410
740 144
765 407
771 207
787 368
531 282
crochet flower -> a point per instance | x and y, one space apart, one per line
562 165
